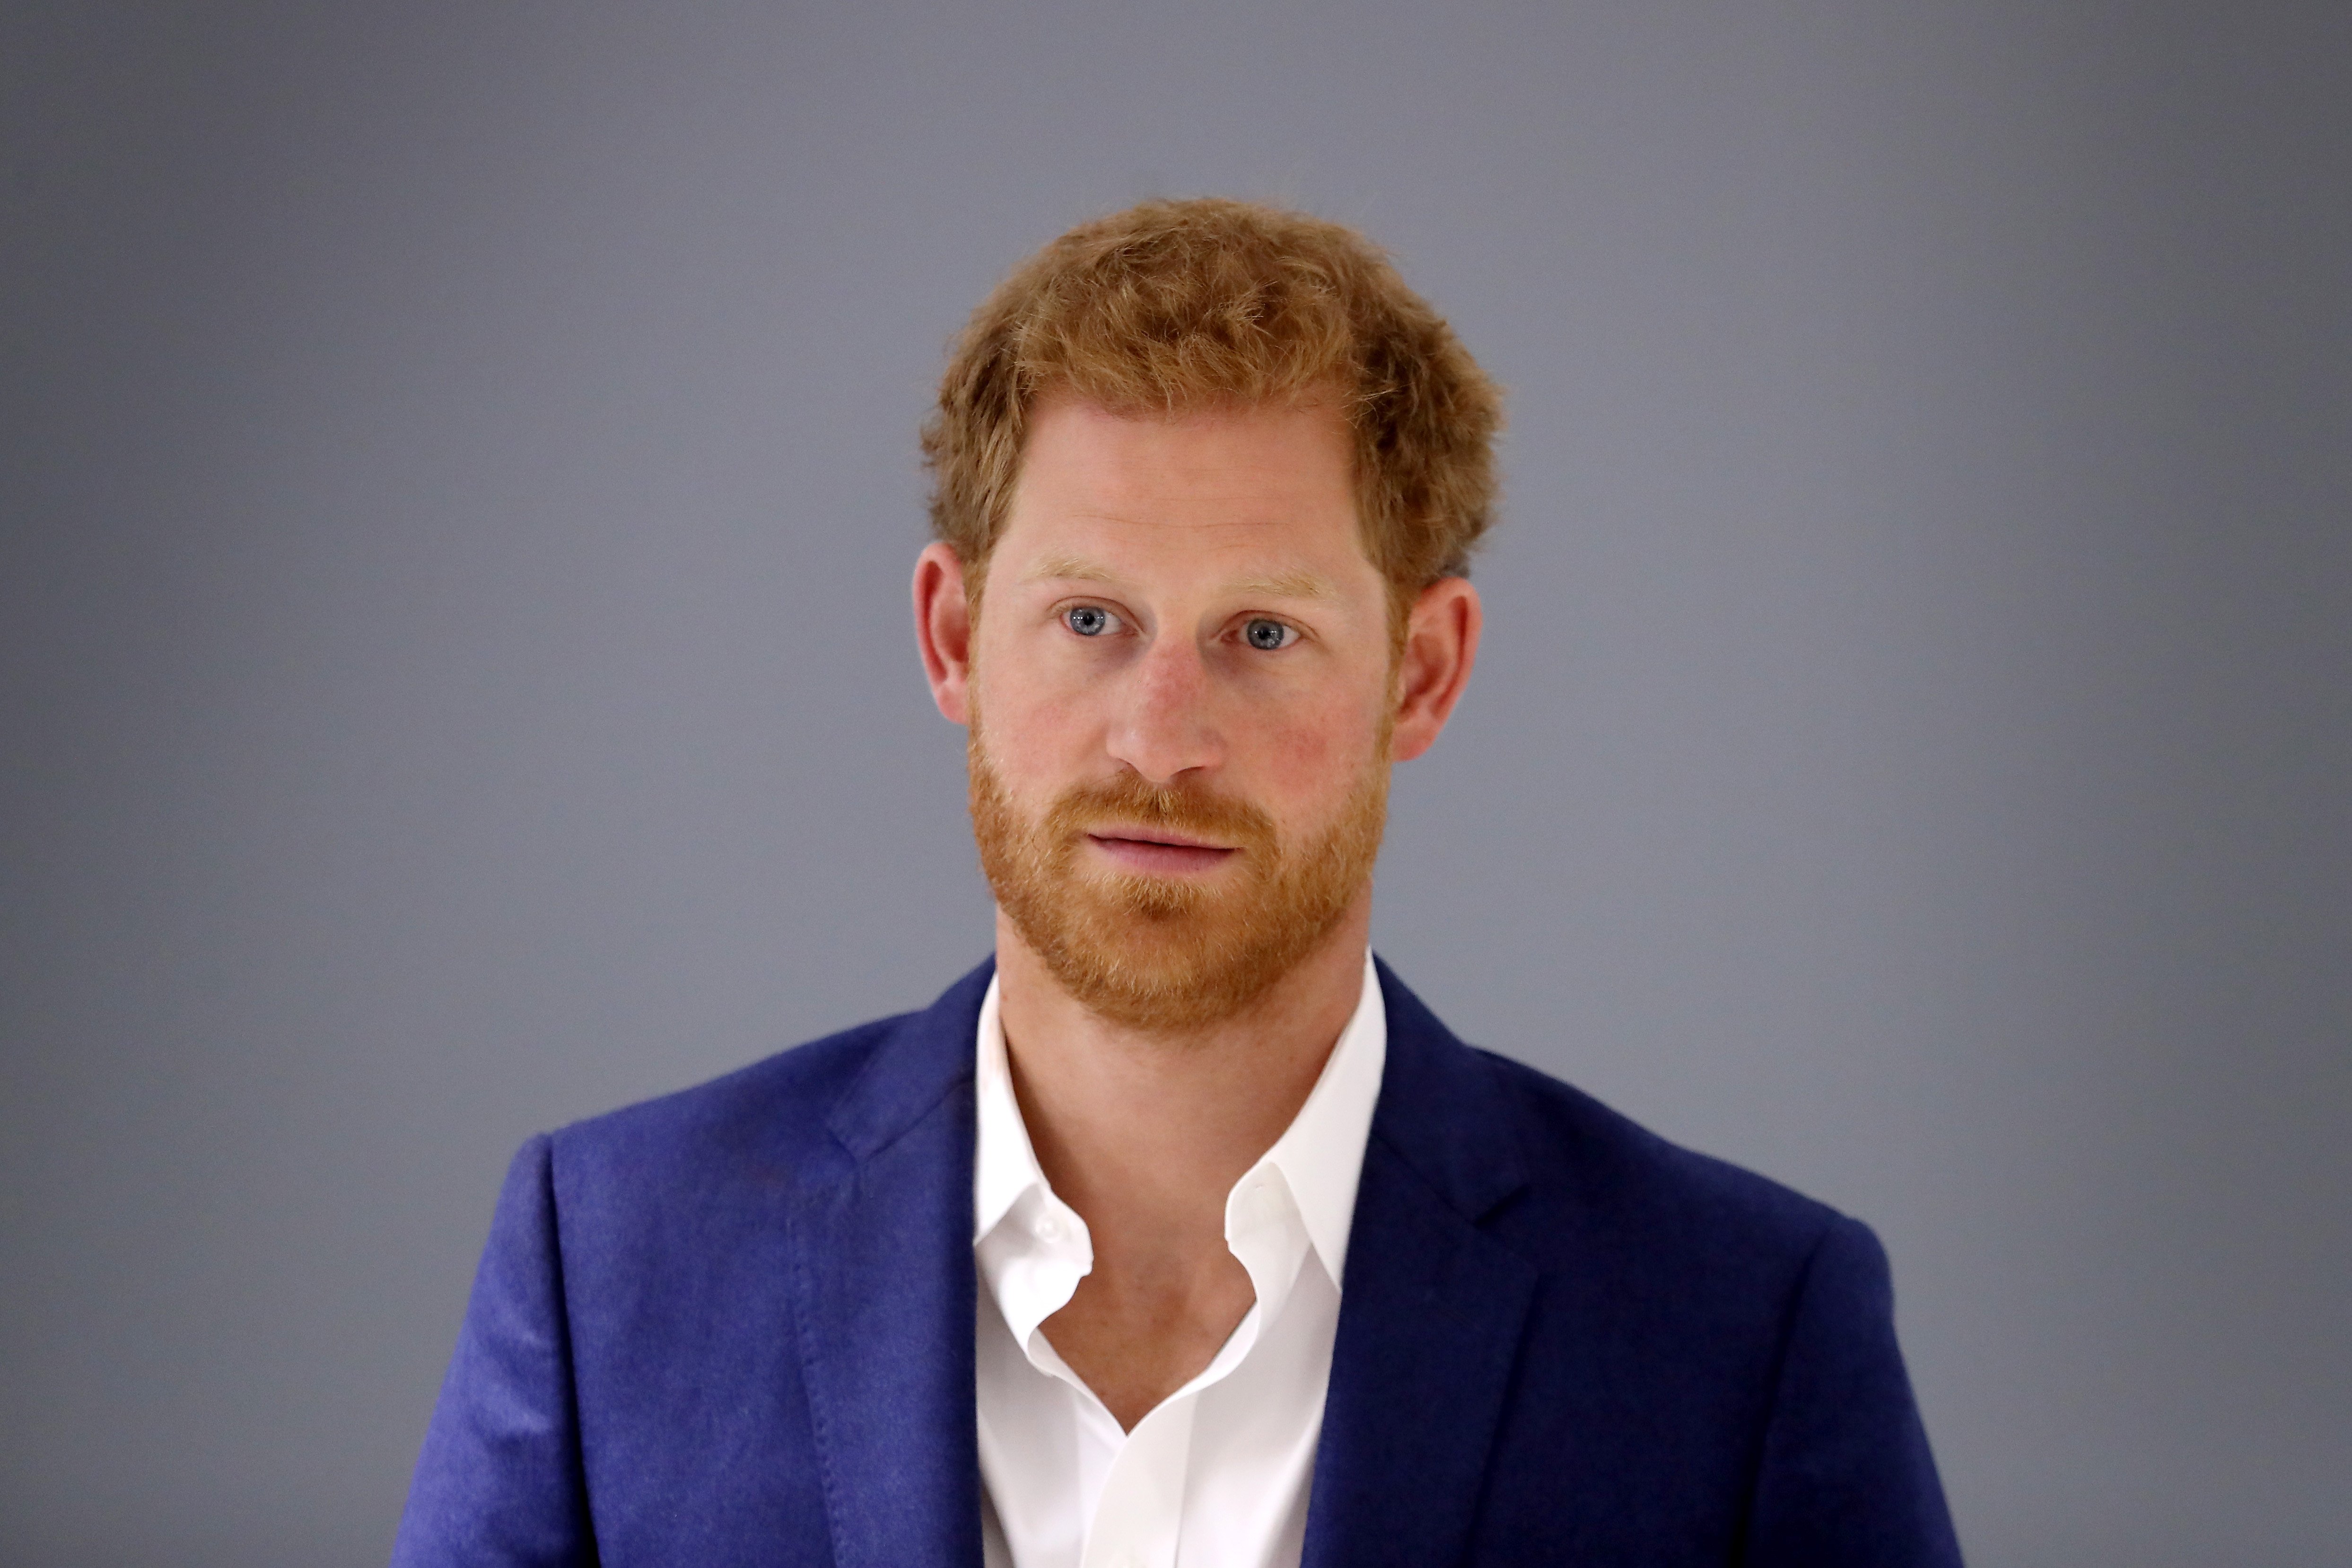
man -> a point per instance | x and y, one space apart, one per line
1183 1235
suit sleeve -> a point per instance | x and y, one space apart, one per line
500 1481
1847 1477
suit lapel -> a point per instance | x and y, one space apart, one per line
884 1274
1431 1314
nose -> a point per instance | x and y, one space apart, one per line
1163 727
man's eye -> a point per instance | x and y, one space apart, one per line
1268 635
1089 620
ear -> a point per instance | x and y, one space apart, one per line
943 630
1441 643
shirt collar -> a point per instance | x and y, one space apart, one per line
1321 1153
1005 1164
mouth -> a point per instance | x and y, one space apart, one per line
1157 852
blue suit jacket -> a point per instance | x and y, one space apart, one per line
735 1326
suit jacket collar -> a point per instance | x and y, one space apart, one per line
1441 1110
924 1058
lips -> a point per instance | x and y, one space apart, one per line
1158 852
1159 836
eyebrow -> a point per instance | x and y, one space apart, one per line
1068 569
1298 584
1294 584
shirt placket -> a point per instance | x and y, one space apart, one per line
1137 1517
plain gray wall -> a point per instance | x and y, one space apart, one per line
459 493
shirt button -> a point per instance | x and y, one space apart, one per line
1049 1228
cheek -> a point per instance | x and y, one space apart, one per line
1320 748
1030 729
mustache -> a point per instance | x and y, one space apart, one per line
1129 801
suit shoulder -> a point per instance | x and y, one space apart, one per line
1623 1174
775 1108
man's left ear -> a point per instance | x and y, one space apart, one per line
1441 643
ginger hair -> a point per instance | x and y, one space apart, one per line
1171 307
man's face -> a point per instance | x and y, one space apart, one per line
1182 704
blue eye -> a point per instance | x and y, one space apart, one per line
1267 636
1088 620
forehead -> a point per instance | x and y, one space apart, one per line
1255 482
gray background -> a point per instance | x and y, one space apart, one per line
459 493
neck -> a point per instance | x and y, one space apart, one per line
1145 1134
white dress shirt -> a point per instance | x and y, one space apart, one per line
1216 1475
